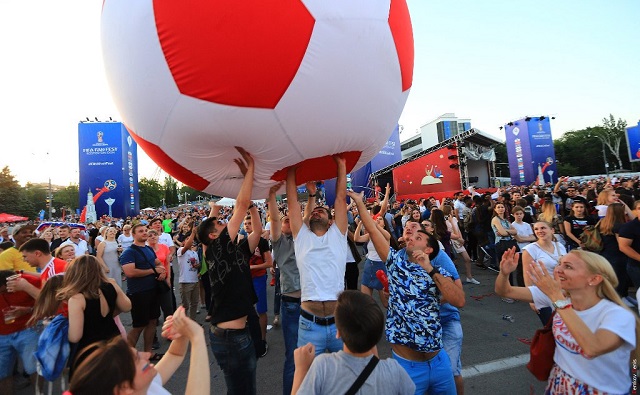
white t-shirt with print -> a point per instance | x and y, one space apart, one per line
609 372
188 273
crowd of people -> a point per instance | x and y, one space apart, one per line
531 236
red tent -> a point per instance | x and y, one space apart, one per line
4 217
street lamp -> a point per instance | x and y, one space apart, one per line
185 197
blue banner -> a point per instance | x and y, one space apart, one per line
359 179
633 142
108 171
542 153
530 151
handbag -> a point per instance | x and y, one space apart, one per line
366 372
543 347
161 286
591 238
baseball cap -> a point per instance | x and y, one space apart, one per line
18 228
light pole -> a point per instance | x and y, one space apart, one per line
604 156
185 197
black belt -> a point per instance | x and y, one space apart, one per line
221 332
290 299
324 321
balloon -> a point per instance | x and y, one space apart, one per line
293 82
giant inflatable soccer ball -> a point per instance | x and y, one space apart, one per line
291 81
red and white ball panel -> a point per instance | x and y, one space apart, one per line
292 82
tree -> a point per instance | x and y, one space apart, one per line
170 191
13 198
68 197
151 193
612 134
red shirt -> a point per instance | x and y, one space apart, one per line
54 267
21 299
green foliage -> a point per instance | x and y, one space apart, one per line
67 197
170 191
151 193
13 198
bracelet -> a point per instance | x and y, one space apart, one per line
433 272
251 206
313 195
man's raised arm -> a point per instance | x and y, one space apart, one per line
243 200
340 205
380 243
274 214
295 215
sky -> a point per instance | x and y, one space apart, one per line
492 61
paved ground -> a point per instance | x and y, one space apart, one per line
493 357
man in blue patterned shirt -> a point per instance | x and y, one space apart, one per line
415 292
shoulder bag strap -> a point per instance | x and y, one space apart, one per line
137 249
363 376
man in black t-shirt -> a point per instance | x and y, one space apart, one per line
140 265
232 290
629 243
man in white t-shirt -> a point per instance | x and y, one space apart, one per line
81 246
189 266
321 254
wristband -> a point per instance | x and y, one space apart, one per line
433 272
313 195
251 206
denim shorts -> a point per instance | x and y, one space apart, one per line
22 343
452 342
260 286
369 278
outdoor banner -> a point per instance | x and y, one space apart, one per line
542 153
530 151
108 171
359 180
428 174
632 134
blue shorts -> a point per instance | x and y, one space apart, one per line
260 286
23 343
452 341
432 376
369 278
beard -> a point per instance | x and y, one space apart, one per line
318 223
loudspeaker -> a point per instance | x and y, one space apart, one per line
473 179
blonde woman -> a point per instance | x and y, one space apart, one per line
66 251
549 215
107 252
597 331
608 197
93 300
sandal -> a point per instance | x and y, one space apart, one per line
156 357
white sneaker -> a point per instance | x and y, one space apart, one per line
472 281
508 300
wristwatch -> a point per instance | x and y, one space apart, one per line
562 304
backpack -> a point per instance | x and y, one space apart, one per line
591 238
53 348
469 221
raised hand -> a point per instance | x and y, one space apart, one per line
311 187
541 279
275 188
509 261
357 197
340 160
245 163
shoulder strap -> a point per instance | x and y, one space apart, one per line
137 249
363 376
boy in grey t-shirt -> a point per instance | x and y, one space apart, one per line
360 323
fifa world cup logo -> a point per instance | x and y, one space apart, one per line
100 134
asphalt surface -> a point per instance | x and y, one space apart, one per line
494 350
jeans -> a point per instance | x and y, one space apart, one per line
23 344
289 319
277 293
430 377
634 273
452 341
323 337
237 358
